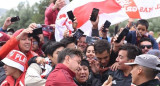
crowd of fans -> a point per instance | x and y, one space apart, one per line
39 60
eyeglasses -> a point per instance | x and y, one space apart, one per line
35 43
143 46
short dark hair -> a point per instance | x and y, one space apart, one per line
101 45
132 50
52 47
44 46
145 39
69 52
143 22
68 40
85 62
149 72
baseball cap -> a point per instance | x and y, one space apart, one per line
146 60
16 59
154 52
4 36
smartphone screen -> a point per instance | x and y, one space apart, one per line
70 15
78 34
122 34
14 19
91 40
106 25
94 14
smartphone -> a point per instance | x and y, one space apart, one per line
14 19
78 34
122 34
106 25
94 14
47 28
90 39
2 43
36 32
70 15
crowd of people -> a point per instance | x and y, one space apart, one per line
40 60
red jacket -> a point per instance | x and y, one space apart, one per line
50 18
13 44
61 76
50 15
9 81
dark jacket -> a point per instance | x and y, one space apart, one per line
92 81
131 38
2 75
154 82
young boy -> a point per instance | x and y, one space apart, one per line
14 66
133 37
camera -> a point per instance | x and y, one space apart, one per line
36 31
14 19
2 43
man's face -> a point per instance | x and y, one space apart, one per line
82 43
121 59
34 45
10 71
41 37
103 58
54 57
134 74
82 74
25 44
145 46
74 63
141 29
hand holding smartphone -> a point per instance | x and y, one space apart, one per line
94 14
14 19
70 15
122 34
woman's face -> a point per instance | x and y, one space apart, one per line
82 74
90 53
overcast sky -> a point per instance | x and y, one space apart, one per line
8 4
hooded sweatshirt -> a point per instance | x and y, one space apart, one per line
10 81
13 43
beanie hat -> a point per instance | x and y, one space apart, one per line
16 59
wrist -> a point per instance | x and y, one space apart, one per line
4 27
95 27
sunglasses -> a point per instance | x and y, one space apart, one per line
143 46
